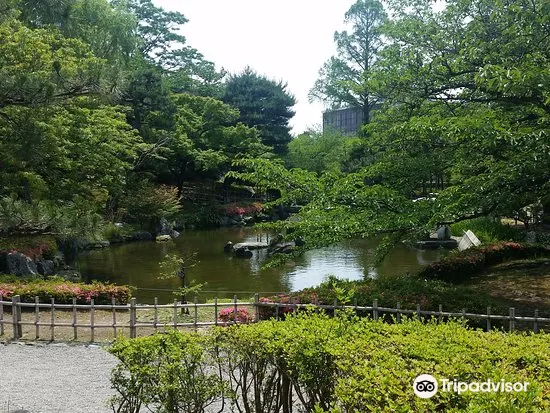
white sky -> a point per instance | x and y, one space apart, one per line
285 40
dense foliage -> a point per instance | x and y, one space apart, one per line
347 79
465 264
263 104
105 112
311 362
463 131
64 291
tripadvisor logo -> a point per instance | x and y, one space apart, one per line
426 386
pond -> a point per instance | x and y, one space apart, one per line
137 264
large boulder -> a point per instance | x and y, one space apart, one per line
443 233
164 227
142 236
228 247
243 252
163 238
70 275
20 264
45 267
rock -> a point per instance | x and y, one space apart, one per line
70 275
531 236
243 252
283 248
258 245
468 240
58 259
164 227
119 224
225 221
174 234
20 264
228 247
443 233
98 244
142 236
45 267
163 238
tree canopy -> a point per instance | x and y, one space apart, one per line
263 104
347 79
463 132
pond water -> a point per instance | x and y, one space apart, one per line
137 264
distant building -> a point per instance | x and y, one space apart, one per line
345 120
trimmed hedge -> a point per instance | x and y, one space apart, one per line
408 290
63 291
463 265
330 364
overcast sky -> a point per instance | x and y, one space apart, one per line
285 40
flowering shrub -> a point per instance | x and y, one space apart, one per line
463 265
235 209
306 296
64 291
241 315
35 247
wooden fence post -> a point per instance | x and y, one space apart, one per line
398 306
512 319
1 315
52 315
113 303
256 307
16 317
440 315
418 311
488 319
216 310
235 309
36 317
133 318
175 315
375 309
536 323
75 333
196 313
92 317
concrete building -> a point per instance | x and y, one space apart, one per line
345 120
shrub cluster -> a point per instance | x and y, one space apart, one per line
462 265
229 314
316 363
407 290
240 209
487 230
64 291
33 246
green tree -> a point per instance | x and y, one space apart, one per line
263 104
467 115
320 151
347 79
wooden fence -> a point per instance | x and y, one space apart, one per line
15 315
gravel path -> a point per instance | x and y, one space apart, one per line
55 378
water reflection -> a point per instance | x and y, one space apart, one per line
138 264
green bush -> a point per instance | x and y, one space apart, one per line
464 264
63 291
407 290
331 364
168 372
488 230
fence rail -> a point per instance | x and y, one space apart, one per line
124 318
